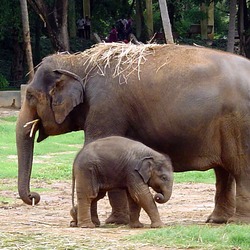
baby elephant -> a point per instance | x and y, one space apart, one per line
117 162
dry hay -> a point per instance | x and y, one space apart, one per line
123 59
128 57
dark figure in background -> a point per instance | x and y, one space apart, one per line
80 27
120 29
113 35
128 29
87 27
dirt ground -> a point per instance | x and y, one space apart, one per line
46 225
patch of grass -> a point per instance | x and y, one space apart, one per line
54 156
195 176
41 240
5 200
198 237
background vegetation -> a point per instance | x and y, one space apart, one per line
104 13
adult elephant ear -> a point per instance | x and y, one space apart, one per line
67 93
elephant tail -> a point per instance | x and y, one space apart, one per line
73 191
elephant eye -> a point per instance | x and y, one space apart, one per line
31 98
29 95
164 178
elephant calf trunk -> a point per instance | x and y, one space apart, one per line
160 198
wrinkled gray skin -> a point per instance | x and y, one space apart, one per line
117 162
190 103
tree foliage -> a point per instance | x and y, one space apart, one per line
48 33
10 19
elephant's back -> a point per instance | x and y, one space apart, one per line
115 147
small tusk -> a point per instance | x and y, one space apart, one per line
33 127
34 122
33 202
31 122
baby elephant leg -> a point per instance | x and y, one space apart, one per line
84 213
134 213
76 222
94 214
145 200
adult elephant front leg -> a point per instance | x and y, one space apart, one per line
224 197
119 203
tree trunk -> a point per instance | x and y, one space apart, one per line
211 19
203 21
61 12
241 27
166 21
138 19
244 17
231 27
86 8
26 37
149 18
55 20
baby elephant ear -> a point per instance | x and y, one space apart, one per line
144 168
67 92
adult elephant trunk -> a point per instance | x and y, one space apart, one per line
25 147
164 196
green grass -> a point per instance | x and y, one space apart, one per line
195 176
198 237
54 156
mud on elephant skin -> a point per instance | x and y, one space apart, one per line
117 162
187 102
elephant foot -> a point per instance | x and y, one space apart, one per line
157 224
239 219
73 223
216 219
136 224
86 225
118 218
220 216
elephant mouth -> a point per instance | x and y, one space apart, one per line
35 125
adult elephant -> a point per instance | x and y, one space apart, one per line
188 102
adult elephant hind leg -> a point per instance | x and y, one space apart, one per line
119 203
224 197
242 213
